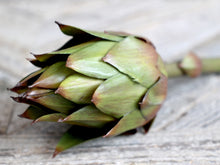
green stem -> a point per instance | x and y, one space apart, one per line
208 66
211 65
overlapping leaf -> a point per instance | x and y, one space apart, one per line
133 120
76 135
22 85
50 100
149 107
33 113
77 32
78 88
53 117
89 116
88 60
53 76
118 95
63 53
136 59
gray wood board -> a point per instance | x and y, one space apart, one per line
165 148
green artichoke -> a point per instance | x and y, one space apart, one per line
102 84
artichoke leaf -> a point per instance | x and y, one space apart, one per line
53 76
148 125
89 116
33 112
133 120
135 58
78 88
156 94
149 107
88 60
50 100
76 135
118 95
77 32
161 66
53 117
23 84
63 52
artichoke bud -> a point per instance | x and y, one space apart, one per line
103 84
191 65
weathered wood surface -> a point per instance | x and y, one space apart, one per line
186 130
182 148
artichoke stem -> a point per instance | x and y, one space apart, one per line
211 65
193 69
173 70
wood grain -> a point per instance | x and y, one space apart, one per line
161 148
186 130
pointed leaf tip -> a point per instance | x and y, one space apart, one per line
29 59
60 120
76 135
52 117
33 122
56 22
65 119
95 99
56 152
15 98
61 26
106 135
77 32
52 76
33 53
21 115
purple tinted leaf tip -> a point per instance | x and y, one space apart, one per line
61 120
56 152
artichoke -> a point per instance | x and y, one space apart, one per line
102 84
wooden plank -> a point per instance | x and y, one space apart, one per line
190 104
6 104
161 148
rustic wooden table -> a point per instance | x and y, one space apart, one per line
186 130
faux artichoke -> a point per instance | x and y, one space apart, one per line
103 84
